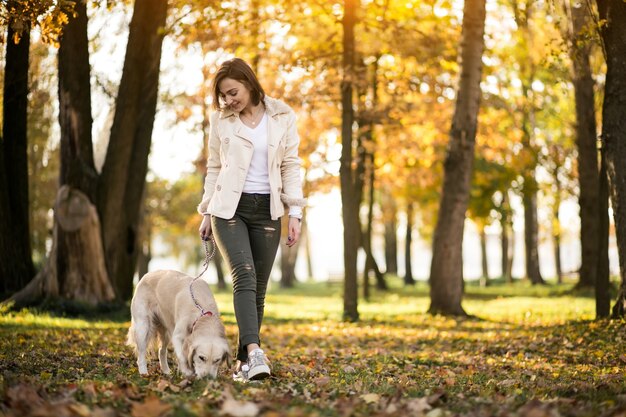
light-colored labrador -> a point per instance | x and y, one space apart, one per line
163 310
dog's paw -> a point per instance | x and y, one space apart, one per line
166 370
187 373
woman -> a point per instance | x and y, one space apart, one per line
253 172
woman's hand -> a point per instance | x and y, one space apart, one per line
205 227
293 231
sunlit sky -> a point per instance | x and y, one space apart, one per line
175 146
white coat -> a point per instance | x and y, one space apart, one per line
230 154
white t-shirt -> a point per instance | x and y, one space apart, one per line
258 181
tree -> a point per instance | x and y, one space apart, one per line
613 31
350 193
446 273
586 142
122 181
75 269
16 267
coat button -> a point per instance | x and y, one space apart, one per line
218 188
226 140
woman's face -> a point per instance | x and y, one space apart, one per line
234 93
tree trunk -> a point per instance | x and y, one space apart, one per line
587 146
76 269
288 257
124 171
16 266
603 297
408 241
307 244
614 127
446 272
350 205
531 231
556 234
484 279
391 241
219 262
507 253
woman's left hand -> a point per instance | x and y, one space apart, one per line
293 231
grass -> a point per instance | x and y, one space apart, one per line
525 350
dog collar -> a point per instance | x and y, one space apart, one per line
202 314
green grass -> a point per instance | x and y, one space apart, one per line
525 348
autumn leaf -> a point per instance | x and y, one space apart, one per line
151 407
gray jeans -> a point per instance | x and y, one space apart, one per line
248 242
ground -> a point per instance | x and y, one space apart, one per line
527 351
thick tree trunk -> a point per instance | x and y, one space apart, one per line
446 272
603 296
16 265
614 127
124 171
408 241
391 240
76 269
350 204
484 279
587 146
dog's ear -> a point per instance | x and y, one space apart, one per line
190 355
227 358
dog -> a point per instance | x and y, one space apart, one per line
163 310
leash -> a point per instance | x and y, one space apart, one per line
207 258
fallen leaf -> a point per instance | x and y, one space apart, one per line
418 405
349 369
370 398
234 408
151 407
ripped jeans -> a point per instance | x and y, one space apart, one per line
248 242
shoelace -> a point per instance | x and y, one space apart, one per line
256 359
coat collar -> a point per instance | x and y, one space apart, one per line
273 107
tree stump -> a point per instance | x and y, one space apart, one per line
75 269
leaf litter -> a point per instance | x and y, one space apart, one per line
419 365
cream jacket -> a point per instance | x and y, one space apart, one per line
230 153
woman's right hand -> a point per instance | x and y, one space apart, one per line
205 227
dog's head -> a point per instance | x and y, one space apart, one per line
206 355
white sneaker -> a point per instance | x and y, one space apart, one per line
241 372
258 367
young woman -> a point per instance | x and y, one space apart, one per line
253 172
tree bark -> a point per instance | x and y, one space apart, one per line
603 297
446 272
124 171
75 268
350 205
288 257
505 223
408 241
16 266
484 279
531 230
391 240
587 145
614 127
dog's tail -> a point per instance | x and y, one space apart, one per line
143 333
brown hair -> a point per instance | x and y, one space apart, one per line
237 69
